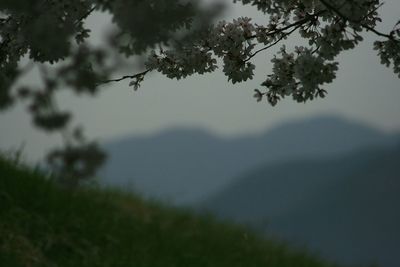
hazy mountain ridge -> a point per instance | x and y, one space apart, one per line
186 165
346 206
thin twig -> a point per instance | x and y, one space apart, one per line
90 11
310 17
272 44
126 77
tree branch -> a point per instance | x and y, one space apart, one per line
272 44
90 11
308 18
125 77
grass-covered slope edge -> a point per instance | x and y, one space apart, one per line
43 225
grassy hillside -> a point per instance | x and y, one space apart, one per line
42 225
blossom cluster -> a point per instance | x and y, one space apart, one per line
389 50
299 74
329 26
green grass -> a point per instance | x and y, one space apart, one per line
43 225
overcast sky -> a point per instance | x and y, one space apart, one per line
364 90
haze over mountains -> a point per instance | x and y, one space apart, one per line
327 183
188 165
345 207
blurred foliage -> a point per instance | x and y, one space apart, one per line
51 36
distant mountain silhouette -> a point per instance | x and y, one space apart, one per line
186 165
345 207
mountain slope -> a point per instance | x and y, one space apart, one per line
197 163
344 207
42 225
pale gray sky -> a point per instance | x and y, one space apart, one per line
364 90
